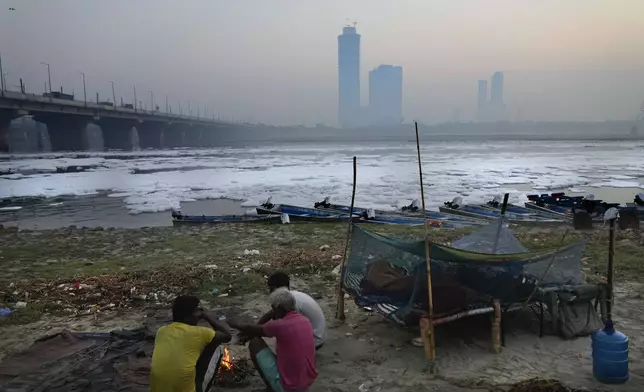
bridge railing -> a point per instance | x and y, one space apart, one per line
19 96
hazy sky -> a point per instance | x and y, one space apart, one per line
276 60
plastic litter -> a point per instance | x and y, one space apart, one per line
324 247
336 257
253 252
5 312
611 213
20 305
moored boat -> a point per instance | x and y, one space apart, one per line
296 213
411 211
180 219
419 221
456 207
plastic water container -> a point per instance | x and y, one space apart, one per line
610 355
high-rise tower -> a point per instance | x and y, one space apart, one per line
349 77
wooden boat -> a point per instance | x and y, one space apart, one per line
637 207
304 214
556 211
419 221
180 219
473 211
386 215
524 211
560 204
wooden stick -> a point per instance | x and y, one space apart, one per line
498 229
432 341
505 203
611 269
339 311
552 260
496 327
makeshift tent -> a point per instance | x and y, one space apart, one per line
390 275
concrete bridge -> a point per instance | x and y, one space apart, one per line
67 120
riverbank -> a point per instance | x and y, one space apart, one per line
101 210
98 280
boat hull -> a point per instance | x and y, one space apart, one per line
481 214
459 221
223 219
302 214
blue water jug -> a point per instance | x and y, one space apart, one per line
610 355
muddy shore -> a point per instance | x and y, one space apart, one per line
99 280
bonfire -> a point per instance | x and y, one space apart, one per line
233 372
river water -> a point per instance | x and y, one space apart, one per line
133 189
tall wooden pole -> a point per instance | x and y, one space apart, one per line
505 203
611 268
339 311
500 223
431 350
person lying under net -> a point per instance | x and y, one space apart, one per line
293 369
182 350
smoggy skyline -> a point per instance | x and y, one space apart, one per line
276 61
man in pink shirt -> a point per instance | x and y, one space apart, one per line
293 369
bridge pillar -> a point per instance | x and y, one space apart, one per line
174 136
6 116
151 134
66 132
218 135
206 137
211 136
117 134
193 136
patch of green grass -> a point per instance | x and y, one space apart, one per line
238 284
292 248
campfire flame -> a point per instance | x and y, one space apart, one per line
226 360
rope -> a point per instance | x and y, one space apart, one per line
552 260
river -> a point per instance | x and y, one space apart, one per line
134 189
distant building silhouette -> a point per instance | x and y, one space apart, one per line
482 100
497 106
385 95
496 97
349 77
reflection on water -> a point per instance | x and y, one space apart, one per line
103 211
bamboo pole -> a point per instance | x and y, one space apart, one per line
431 351
500 223
496 327
339 311
611 269
540 279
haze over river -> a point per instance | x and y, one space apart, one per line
138 188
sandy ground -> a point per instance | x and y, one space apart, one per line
367 353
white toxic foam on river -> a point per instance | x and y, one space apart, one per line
152 181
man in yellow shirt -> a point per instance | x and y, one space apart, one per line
182 350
